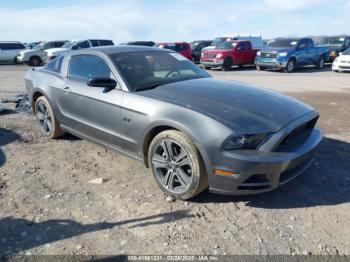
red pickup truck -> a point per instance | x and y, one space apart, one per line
229 53
183 48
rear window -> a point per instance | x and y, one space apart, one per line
55 64
11 46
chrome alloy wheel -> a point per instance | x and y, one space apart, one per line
44 117
172 166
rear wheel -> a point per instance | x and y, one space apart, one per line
46 118
260 68
176 164
227 65
290 66
34 61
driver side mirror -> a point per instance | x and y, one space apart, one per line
106 83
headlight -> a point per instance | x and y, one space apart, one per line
246 141
336 60
258 53
218 56
282 54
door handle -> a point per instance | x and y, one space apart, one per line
67 89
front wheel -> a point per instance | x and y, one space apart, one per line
46 118
177 165
260 68
290 66
34 61
227 65
320 63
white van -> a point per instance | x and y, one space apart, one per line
9 51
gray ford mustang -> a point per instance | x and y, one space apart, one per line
193 131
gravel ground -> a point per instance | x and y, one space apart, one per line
48 206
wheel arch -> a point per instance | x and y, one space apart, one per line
155 129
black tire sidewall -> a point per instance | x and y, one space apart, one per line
287 66
227 65
197 166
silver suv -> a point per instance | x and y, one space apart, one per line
34 57
9 51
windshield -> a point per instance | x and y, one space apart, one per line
219 40
289 43
332 41
39 46
225 45
346 52
146 70
69 44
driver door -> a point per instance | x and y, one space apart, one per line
91 111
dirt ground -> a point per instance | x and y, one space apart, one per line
47 205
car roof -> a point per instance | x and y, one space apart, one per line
108 50
10 42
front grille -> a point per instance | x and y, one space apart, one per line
296 137
208 55
268 55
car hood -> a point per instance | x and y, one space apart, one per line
277 49
218 51
55 51
28 52
242 107
344 58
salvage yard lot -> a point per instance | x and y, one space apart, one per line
47 205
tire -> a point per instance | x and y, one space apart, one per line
227 65
207 68
193 178
260 68
320 63
290 66
46 118
35 61
15 61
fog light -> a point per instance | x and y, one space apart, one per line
223 172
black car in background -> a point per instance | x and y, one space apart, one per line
336 45
197 47
140 43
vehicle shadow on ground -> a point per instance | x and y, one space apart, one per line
17 234
6 137
325 183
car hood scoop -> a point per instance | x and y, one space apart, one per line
251 109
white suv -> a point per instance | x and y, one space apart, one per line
34 57
75 45
9 51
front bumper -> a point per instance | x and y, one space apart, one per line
341 66
258 171
273 63
22 59
212 62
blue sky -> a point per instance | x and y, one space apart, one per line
177 20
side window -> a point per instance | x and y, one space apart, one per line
2 46
302 44
105 42
84 67
48 45
55 65
241 46
310 43
58 44
94 43
249 45
81 45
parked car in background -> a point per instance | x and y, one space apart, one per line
9 51
335 45
191 130
197 46
35 56
140 43
33 44
289 53
183 48
255 40
229 53
342 62
75 45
